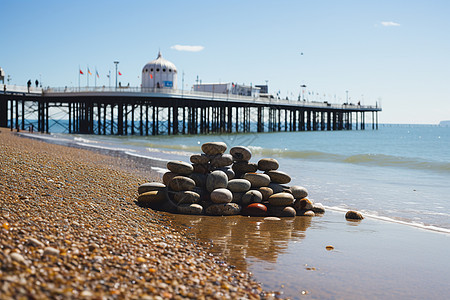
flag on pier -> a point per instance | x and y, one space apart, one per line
120 73
81 72
151 76
89 71
96 73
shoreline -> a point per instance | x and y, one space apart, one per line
70 228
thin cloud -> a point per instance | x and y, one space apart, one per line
389 24
187 48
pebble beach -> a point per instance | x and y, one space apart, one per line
70 228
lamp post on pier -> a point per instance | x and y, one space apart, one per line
303 91
116 63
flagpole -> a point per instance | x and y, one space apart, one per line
87 77
95 78
79 73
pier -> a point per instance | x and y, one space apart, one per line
159 111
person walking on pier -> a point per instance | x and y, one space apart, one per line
37 83
29 85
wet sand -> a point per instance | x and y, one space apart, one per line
371 259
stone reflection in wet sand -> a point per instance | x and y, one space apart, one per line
237 238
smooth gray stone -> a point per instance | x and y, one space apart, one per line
242 167
186 197
221 196
252 196
182 183
279 176
282 211
216 180
266 192
241 153
257 179
303 204
299 192
199 159
180 167
237 197
190 209
281 199
151 186
167 177
267 164
318 208
227 170
239 185
213 148
221 160
227 209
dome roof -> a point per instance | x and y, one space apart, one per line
161 63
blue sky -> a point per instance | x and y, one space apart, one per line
392 52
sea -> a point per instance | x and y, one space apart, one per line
398 173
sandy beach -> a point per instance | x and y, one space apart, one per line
70 228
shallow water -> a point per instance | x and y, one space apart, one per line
371 259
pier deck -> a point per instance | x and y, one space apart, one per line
126 111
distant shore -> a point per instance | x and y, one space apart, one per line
70 228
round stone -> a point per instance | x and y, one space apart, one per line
299 192
180 167
281 199
151 186
267 164
168 206
190 209
213 148
353 215
272 219
227 170
239 185
221 160
226 209
201 168
303 204
221 196
182 183
199 159
305 213
257 179
200 179
216 180
241 153
266 192
252 196
318 208
151 198
279 177
242 167
167 177
282 211
186 197
278 188
288 212
255 210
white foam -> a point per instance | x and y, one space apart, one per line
390 220
147 157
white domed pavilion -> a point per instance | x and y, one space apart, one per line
159 73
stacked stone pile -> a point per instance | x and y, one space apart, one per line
221 184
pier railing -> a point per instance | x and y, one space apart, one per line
188 94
